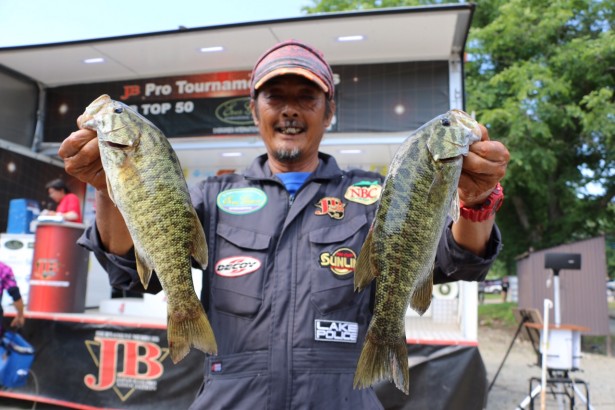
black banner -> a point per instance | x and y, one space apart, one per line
370 98
192 105
442 377
87 363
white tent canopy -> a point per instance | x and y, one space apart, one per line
390 35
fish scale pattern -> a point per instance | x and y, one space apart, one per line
399 252
146 183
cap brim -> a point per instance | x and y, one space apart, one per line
292 70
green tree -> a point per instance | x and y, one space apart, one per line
329 6
541 76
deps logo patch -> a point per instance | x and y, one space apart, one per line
241 201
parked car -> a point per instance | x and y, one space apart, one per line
493 286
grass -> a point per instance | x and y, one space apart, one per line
497 314
500 315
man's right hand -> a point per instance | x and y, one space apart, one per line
82 158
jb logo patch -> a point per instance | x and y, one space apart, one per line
334 207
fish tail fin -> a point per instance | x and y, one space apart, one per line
194 331
364 271
143 270
421 297
199 244
382 361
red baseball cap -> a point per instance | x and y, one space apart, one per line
292 57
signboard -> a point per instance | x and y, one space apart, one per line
369 98
88 362
203 104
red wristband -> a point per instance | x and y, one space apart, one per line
487 209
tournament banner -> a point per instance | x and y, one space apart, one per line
387 97
181 106
89 363
85 362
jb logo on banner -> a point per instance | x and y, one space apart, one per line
126 362
85 362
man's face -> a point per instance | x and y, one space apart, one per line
290 112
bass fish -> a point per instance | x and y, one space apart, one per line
419 191
147 184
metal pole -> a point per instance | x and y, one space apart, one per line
557 320
584 399
529 398
545 347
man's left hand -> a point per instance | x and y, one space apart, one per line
483 167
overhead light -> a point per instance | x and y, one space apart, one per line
351 38
232 154
213 49
96 60
350 151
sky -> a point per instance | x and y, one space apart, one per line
30 22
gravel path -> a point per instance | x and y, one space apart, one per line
512 383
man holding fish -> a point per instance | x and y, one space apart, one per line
284 240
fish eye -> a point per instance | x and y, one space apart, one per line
445 122
118 110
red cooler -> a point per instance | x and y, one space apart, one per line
59 269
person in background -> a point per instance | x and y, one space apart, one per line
505 286
7 282
272 290
69 206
